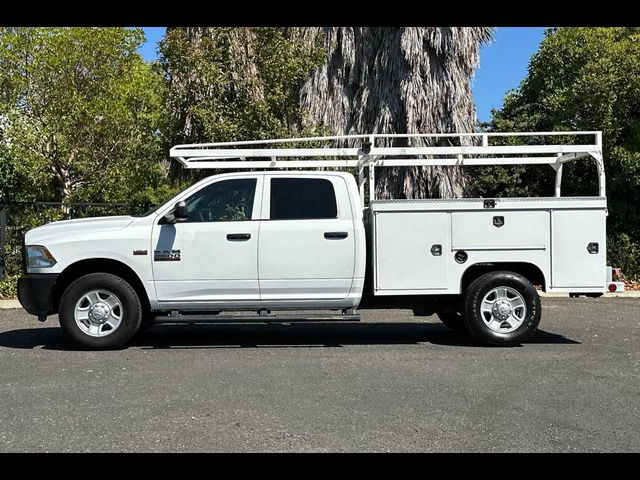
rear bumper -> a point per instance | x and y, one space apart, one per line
35 292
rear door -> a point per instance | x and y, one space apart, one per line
306 248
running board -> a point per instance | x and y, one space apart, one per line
263 316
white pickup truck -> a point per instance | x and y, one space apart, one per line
271 241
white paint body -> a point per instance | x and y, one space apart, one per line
289 263
285 263
550 233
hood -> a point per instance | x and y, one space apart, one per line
70 228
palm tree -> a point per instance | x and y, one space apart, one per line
399 80
373 80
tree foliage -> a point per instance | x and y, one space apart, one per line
230 84
79 113
582 79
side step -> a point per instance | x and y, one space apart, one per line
263 316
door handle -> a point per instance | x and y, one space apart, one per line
336 235
238 236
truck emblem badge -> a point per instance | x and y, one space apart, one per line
498 221
166 255
139 252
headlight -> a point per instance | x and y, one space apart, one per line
39 257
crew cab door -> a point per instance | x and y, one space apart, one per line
212 256
307 247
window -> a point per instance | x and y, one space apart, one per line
225 201
302 198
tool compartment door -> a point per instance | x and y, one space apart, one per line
500 230
572 264
411 250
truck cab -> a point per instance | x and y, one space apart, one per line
245 241
261 240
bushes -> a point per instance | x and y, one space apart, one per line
9 287
623 252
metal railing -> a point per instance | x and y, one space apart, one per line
373 151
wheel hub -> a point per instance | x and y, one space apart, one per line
502 309
99 312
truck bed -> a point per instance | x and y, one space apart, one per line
415 242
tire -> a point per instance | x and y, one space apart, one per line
493 296
108 308
453 320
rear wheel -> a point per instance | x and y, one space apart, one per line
453 320
100 311
502 309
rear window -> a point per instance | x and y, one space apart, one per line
302 198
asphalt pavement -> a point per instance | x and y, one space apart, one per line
392 382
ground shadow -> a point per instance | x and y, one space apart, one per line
295 335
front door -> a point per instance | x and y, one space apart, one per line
212 256
307 245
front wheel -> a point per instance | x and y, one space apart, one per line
502 309
100 311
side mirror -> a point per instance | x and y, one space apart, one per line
180 211
177 214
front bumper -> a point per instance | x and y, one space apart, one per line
35 292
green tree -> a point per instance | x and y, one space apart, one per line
230 84
582 79
79 115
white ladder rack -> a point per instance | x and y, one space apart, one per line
369 151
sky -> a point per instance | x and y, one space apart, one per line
149 50
503 63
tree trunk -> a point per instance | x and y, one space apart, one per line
399 80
